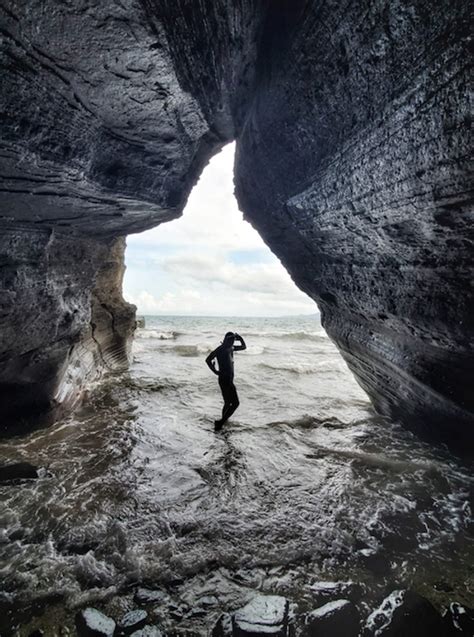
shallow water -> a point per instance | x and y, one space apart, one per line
304 484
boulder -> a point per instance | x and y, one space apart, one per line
328 591
132 621
404 613
263 615
90 622
339 618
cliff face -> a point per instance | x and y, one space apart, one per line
63 320
352 165
350 120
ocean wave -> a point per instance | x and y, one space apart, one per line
162 336
256 350
190 350
149 384
310 422
290 336
296 368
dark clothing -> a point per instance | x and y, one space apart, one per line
229 392
225 360
224 354
231 399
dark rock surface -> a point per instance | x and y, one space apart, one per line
223 627
334 619
18 471
149 596
132 621
352 167
405 614
63 321
351 123
459 620
148 631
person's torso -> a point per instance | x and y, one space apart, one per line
225 359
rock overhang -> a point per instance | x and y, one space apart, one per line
351 147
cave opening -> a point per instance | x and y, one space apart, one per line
210 261
210 272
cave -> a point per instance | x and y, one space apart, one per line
350 121
351 126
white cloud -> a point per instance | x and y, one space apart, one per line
211 217
168 303
210 261
191 302
264 278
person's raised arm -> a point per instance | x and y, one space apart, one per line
242 345
210 362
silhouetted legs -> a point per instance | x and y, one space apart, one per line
231 400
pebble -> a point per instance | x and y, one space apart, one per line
90 622
263 615
336 618
132 621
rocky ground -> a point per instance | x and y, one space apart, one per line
338 612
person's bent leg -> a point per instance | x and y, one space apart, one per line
233 403
224 384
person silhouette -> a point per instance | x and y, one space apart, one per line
224 354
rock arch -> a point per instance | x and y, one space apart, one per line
351 126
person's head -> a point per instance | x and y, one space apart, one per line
229 338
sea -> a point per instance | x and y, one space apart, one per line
305 486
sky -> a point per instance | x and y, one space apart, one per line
210 261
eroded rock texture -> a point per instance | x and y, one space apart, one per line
351 122
354 163
59 330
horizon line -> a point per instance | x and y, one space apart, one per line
227 315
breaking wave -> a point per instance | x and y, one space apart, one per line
161 336
299 368
291 336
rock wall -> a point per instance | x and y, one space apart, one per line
351 126
63 321
353 167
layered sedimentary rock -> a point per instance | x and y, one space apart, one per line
354 164
63 320
351 128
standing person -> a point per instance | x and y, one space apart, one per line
225 361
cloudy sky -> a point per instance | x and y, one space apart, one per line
210 261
